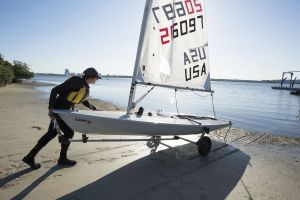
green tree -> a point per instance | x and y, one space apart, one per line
21 71
6 71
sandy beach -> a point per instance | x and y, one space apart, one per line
246 166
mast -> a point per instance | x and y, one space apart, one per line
138 55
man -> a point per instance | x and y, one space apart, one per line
64 96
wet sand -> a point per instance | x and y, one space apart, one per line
246 166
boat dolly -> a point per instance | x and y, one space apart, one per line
204 144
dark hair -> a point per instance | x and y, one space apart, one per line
88 76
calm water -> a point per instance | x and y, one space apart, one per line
251 106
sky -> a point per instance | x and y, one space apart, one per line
254 40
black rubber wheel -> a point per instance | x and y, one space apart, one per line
153 143
204 145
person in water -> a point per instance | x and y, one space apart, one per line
73 91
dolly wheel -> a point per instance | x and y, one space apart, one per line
154 143
204 145
157 140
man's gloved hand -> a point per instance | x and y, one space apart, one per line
93 107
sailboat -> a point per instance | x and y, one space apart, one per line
172 53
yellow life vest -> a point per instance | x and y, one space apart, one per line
77 97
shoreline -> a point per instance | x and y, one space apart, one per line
246 166
272 117
275 81
263 137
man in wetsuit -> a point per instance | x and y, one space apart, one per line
64 96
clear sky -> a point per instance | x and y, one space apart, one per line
248 39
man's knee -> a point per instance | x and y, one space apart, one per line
47 137
51 134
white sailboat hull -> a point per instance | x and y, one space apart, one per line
118 123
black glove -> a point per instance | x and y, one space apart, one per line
93 107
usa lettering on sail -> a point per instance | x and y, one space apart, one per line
192 57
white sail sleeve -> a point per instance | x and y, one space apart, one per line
174 50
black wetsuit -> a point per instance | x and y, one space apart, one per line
64 96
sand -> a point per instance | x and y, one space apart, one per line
247 166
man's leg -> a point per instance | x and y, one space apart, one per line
43 141
68 133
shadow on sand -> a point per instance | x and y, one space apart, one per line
176 173
14 176
33 185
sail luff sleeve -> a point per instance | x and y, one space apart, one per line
138 55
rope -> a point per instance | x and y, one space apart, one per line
255 140
142 97
176 101
55 125
212 99
227 133
213 104
225 136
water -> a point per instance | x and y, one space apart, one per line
251 106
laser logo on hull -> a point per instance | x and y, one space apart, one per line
83 120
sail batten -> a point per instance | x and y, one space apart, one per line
174 50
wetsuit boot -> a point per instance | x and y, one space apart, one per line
29 158
43 141
63 160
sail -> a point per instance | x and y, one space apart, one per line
174 47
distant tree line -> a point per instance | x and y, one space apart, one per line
13 72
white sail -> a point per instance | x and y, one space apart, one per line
174 46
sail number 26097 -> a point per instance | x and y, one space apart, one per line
177 10
179 29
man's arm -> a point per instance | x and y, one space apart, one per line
53 95
87 104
